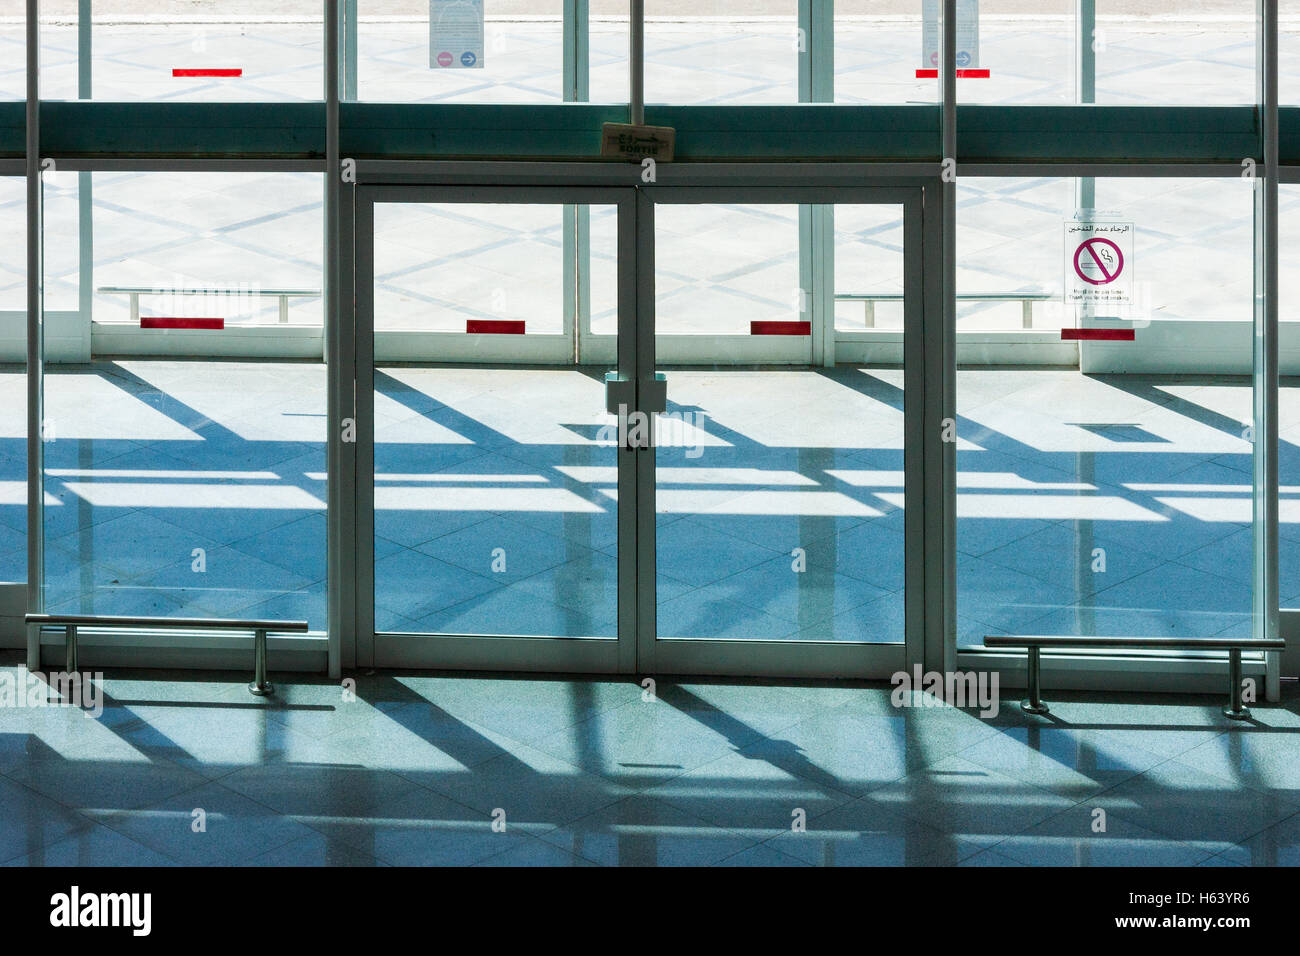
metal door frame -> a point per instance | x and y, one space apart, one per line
505 652
790 659
929 636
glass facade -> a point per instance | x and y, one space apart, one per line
184 477
902 467
13 418
1119 501
853 444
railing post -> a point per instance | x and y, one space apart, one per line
1235 710
260 685
1034 703
1027 313
284 309
636 63
869 312
70 647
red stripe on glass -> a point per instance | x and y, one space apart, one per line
207 71
494 326
780 328
1097 335
174 322
961 74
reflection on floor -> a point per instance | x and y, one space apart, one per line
416 770
1107 504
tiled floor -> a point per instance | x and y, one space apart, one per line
187 767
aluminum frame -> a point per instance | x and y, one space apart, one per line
937 339
1265 597
35 342
638 648
170 649
594 654
657 655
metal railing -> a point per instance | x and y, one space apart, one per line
1034 644
1026 300
284 295
260 685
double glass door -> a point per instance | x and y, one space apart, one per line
592 435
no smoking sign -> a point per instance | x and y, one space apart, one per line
1098 262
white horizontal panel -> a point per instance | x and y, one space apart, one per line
457 479
1047 507
389 498
779 503
692 476
132 494
138 473
15 493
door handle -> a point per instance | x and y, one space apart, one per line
620 394
649 395
653 394
633 402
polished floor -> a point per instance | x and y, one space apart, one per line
188 768
1086 504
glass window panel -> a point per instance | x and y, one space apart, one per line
441 267
13 382
1153 53
779 487
184 455
722 51
1163 52
877 54
1010 239
868 268
719 268
1027 47
1288 51
217 51
58 30
13 51
602 288
522 57
495 484
62 245
1288 255
1111 494
608 38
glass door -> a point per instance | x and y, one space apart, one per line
778 522
494 495
728 285
691 483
